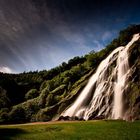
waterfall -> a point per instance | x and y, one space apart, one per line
103 95
122 77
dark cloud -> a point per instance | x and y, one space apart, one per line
39 34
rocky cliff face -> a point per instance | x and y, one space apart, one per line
133 94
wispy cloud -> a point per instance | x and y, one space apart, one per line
42 34
5 69
107 35
98 45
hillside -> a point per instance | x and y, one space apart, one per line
41 96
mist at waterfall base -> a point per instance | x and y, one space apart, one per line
104 95
41 34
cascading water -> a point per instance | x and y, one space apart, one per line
122 77
103 95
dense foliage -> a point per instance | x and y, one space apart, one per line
39 96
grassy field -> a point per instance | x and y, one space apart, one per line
85 130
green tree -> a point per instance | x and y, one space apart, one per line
17 115
32 93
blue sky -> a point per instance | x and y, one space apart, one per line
41 34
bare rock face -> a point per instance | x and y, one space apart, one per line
133 96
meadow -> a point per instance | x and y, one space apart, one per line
78 130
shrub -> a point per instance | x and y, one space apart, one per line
33 93
4 100
42 97
42 115
50 100
17 115
4 115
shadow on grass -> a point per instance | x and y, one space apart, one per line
7 133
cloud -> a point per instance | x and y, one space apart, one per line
41 34
5 69
107 35
98 45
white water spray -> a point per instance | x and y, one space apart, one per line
108 82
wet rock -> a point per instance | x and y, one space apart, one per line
67 118
64 118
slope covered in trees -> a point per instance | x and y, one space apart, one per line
40 96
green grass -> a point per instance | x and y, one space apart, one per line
85 130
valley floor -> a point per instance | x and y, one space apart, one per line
72 130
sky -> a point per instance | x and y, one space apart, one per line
41 34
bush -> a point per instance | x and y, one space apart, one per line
59 90
17 115
42 97
4 115
4 100
42 115
50 100
33 93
